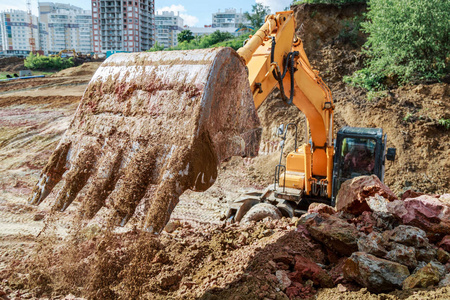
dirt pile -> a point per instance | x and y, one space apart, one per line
88 68
283 259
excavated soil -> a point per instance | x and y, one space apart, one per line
45 255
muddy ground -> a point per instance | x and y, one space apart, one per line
198 257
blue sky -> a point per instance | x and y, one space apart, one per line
194 12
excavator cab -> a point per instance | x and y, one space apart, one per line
358 152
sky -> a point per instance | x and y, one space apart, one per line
194 12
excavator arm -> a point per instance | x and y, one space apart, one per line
275 57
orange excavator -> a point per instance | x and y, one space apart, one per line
151 125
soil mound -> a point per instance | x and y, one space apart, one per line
11 64
88 68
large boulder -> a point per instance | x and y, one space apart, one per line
426 212
332 231
355 192
376 274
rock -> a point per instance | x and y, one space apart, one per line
403 255
307 269
373 243
341 288
376 274
354 192
321 208
283 279
423 278
445 243
426 212
377 203
426 254
443 256
408 235
411 194
293 292
445 281
385 221
332 231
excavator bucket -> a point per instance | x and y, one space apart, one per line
149 127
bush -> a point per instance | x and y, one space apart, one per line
41 62
408 40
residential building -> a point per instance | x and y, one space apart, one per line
168 26
123 25
64 26
16 32
229 19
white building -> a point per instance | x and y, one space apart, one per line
229 19
64 26
16 32
123 25
168 26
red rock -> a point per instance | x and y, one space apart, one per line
426 212
308 269
411 194
332 231
354 192
321 208
292 292
445 243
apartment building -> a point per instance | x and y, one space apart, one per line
229 19
123 25
16 32
64 26
168 26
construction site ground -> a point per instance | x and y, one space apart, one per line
197 257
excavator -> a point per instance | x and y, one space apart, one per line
152 125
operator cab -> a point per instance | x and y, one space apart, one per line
358 152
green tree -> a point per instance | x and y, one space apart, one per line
408 40
185 35
259 13
41 62
156 47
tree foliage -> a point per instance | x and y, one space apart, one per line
156 47
205 41
185 35
41 62
258 15
408 40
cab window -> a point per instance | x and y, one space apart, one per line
358 157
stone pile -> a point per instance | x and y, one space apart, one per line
378 241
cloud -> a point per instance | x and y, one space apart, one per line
188 19
275 5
